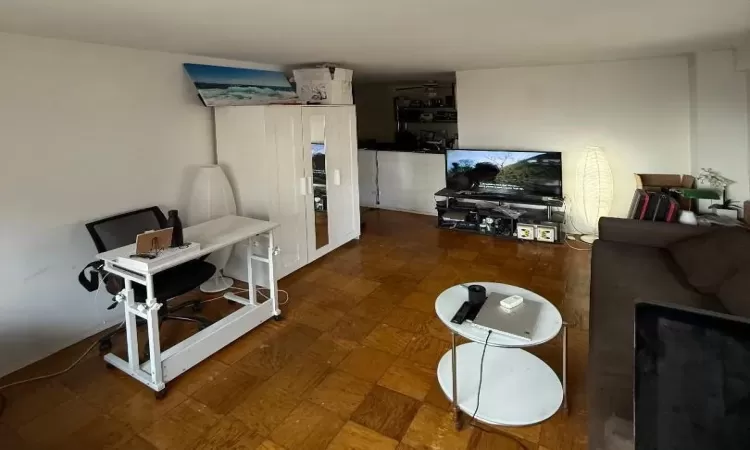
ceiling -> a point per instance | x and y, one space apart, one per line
388 37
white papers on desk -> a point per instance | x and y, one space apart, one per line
144 264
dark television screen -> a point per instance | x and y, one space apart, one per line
504 172
692 379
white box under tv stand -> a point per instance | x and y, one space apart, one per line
448 200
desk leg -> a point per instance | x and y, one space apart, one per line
565 368
154 339
250 282
456 411
273 288
131 329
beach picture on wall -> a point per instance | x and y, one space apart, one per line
230 86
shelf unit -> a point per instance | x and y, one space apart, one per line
469 213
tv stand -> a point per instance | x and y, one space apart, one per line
524 218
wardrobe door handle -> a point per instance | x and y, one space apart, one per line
337 177
302 186
309 186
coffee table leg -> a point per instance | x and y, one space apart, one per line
565 368
456 411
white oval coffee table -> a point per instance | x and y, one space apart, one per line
518 389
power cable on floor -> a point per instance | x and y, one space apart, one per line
96 342
481 370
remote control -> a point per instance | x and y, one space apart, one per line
461 314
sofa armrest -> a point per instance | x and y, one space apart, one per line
644 232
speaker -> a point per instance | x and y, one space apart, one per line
525 231
545 233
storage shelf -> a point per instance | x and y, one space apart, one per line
428 108
499 198
530 392
432 121
500 236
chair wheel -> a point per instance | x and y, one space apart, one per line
105 346
159 395
197 307
278 318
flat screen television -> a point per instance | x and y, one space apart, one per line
504 173
692 379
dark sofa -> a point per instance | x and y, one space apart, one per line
651 261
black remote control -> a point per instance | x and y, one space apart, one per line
461 314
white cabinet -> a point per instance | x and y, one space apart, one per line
367 178
406 180
296 166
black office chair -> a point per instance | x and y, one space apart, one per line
122 229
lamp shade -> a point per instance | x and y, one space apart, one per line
211 197
594 190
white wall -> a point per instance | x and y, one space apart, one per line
638 111
86 131
720 119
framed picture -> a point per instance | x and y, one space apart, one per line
234 86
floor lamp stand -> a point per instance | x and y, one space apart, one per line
588 238
217 283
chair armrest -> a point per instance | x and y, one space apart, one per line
644 232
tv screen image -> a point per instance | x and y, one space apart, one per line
504 172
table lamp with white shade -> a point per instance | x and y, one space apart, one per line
211 197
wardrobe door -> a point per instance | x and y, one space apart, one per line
342 174
316 141
287 206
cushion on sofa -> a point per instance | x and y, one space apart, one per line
710 259
734 293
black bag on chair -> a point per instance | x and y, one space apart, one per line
94 273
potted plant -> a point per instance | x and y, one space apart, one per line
726 207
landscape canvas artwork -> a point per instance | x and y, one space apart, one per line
230 86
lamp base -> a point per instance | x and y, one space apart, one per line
588 238
217 283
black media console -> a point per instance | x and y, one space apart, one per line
511 218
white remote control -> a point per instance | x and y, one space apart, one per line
511 302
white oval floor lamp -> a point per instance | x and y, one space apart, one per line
211 198
594 190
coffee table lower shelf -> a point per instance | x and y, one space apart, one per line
518 389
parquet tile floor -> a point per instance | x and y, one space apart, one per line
352 365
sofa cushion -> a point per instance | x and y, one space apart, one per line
709 259
734 293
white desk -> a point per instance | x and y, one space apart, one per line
212 235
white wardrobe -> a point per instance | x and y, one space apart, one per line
296 166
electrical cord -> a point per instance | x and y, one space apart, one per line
479 391
51 375
96 342
75 363
257 291
481 370
580 249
